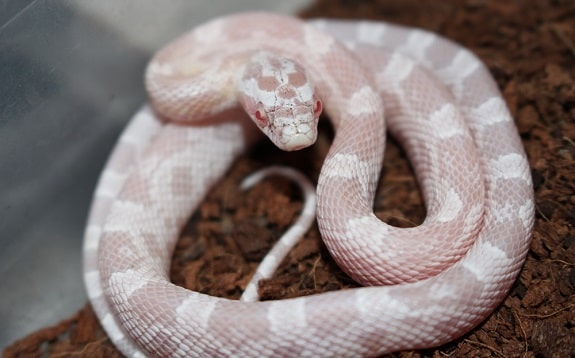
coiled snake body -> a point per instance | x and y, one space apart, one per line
446 275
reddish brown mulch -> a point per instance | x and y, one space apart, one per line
530 48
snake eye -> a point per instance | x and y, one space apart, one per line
317 108
260 115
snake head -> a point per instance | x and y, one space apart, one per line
280 98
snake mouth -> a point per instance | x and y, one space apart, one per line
299 141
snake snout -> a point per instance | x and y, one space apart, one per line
299 141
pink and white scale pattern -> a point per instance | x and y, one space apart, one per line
435 97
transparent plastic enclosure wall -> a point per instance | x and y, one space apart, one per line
70 78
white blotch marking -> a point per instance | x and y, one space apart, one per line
398 68
417 43
473 214
317 40
525 213
129 281
139 354
365 299
92 279
296 316
250 86
492 111
111 183
112 328
210 33
451 207
124 214
361 102
445 122
463 64
359 236
446 290
350 167
92 237
142 127
196 309
134 140
370 33
350 45
321 24
160 68
510 166
486 252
